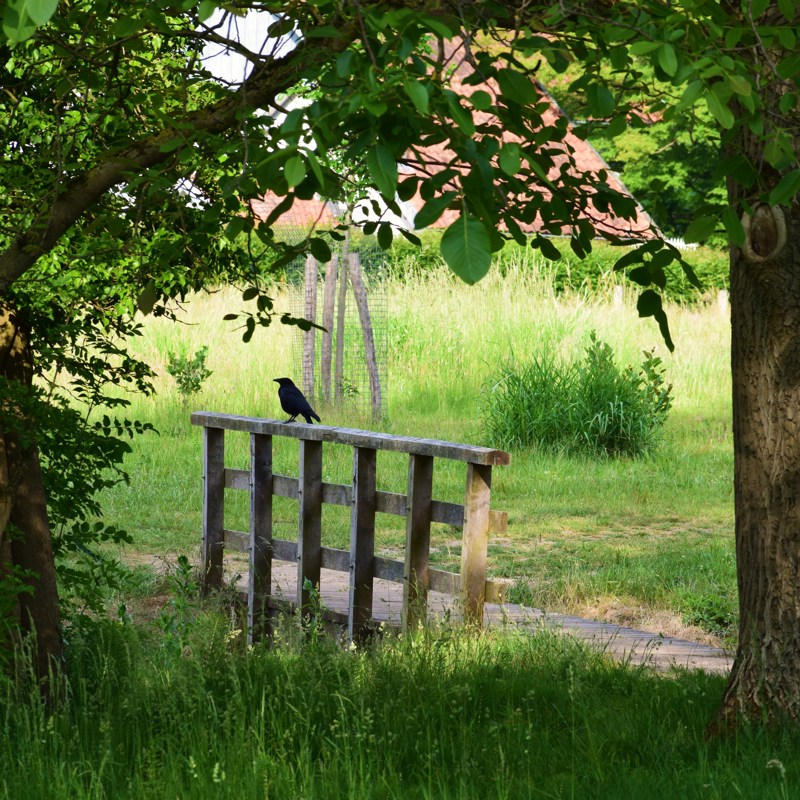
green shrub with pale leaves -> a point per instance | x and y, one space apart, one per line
588 406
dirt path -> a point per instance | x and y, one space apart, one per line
622 642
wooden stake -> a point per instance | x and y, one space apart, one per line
213 508
475 541
418 539
362 543
260 586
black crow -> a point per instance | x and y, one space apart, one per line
293 402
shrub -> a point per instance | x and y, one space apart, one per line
589 406
189 373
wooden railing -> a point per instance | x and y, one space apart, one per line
417 506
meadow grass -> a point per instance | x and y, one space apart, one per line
439 714
601 536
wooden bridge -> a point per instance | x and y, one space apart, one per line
358 589
418 507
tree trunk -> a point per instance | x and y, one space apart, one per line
765 363
23 504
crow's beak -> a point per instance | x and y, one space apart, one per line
276 380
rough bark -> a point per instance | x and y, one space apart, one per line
765 361
23 504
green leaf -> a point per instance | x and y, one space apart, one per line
720 111
600 100
668 59
385 236
788 8
788 187
206 9
517 87
250 293
481 100
510 158
432 210
320 250
125 26
39 11
700 229
383 170
740 85
294 170
649 303
17 26
549 250
461 116
642 48
733 225
466 247
147 298
418 95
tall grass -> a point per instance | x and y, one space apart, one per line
435 715
446 340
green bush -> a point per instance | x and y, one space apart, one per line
591 406
189 373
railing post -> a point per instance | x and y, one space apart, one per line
213 508
418 540
260 586
476 540
362 544
309 532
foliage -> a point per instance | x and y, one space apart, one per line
591 275
189 373
590 406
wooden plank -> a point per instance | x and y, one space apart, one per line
386 569
362 543
386 502
475 541
418 541
213 508
309 527
354 437
260 544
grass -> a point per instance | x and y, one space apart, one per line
585 534
180 707
436 715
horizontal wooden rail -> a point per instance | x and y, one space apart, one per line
386 569
353 437
337 494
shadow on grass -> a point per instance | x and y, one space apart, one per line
437 714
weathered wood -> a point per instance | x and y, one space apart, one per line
341 317
260 544
418 541
213 508
309 528
386 569
338 494
329 303
362 543
475 541
310 336
355 438
362 304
